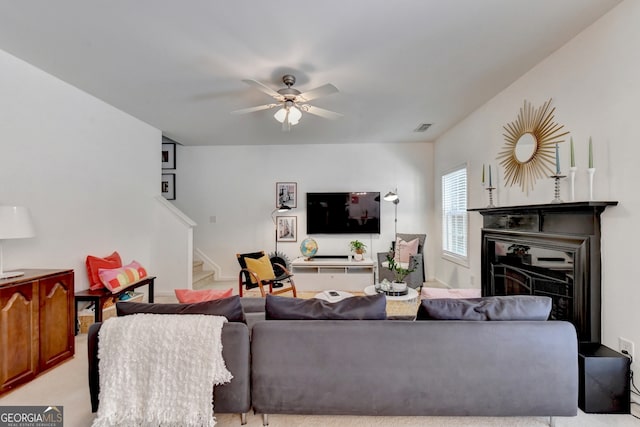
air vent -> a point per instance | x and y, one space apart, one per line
422 127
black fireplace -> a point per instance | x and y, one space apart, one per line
551 250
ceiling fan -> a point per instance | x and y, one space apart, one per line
292 102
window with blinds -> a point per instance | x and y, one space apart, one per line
454 215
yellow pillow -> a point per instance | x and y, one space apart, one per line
262 267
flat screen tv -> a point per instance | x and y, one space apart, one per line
343 213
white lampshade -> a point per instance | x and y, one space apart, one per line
15 223
280 115
294 115
391 196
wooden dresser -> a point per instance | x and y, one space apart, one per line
36 324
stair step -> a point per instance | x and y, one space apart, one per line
202 278
197 265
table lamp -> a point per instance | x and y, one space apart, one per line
15 223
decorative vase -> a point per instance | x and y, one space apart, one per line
398 286
358 256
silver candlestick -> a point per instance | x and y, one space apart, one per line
490 190
556 191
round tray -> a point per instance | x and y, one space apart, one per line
394 293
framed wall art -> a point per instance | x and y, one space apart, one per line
287 194
168 155
287 229
169 186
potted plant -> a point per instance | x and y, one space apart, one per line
358 248
399 272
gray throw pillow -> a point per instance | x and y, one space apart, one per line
511 307
371 307
227 307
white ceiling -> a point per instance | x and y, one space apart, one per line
179 65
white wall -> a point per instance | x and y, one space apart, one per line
595 87
237 185
87 171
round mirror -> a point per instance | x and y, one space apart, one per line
525 148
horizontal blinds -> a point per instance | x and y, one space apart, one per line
454 212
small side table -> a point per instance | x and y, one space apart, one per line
604 377
100 297
410 297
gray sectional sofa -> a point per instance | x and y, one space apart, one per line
391 367
378 367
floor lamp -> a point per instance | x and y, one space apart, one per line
15 223
392 196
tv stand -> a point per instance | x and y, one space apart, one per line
336 272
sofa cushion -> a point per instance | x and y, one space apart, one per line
372 307
200 295
512 307
227 307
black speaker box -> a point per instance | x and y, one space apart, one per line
604 380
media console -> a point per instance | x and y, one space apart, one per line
319 274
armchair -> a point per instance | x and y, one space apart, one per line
416 278
264 273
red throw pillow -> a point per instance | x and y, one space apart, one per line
95 263
188 296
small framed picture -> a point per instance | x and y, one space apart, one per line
287 228
169 186
287 194
168 155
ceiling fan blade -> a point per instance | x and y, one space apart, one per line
331 115
266 89
324 90
252 109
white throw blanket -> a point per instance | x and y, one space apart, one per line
159 370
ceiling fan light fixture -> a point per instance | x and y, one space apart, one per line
294 115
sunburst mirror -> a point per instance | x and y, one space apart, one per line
529 152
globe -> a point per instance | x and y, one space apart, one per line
309 247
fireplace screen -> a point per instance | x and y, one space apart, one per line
524 270
518 264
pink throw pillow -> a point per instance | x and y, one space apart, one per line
117 279
438 293
405 250
187 296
